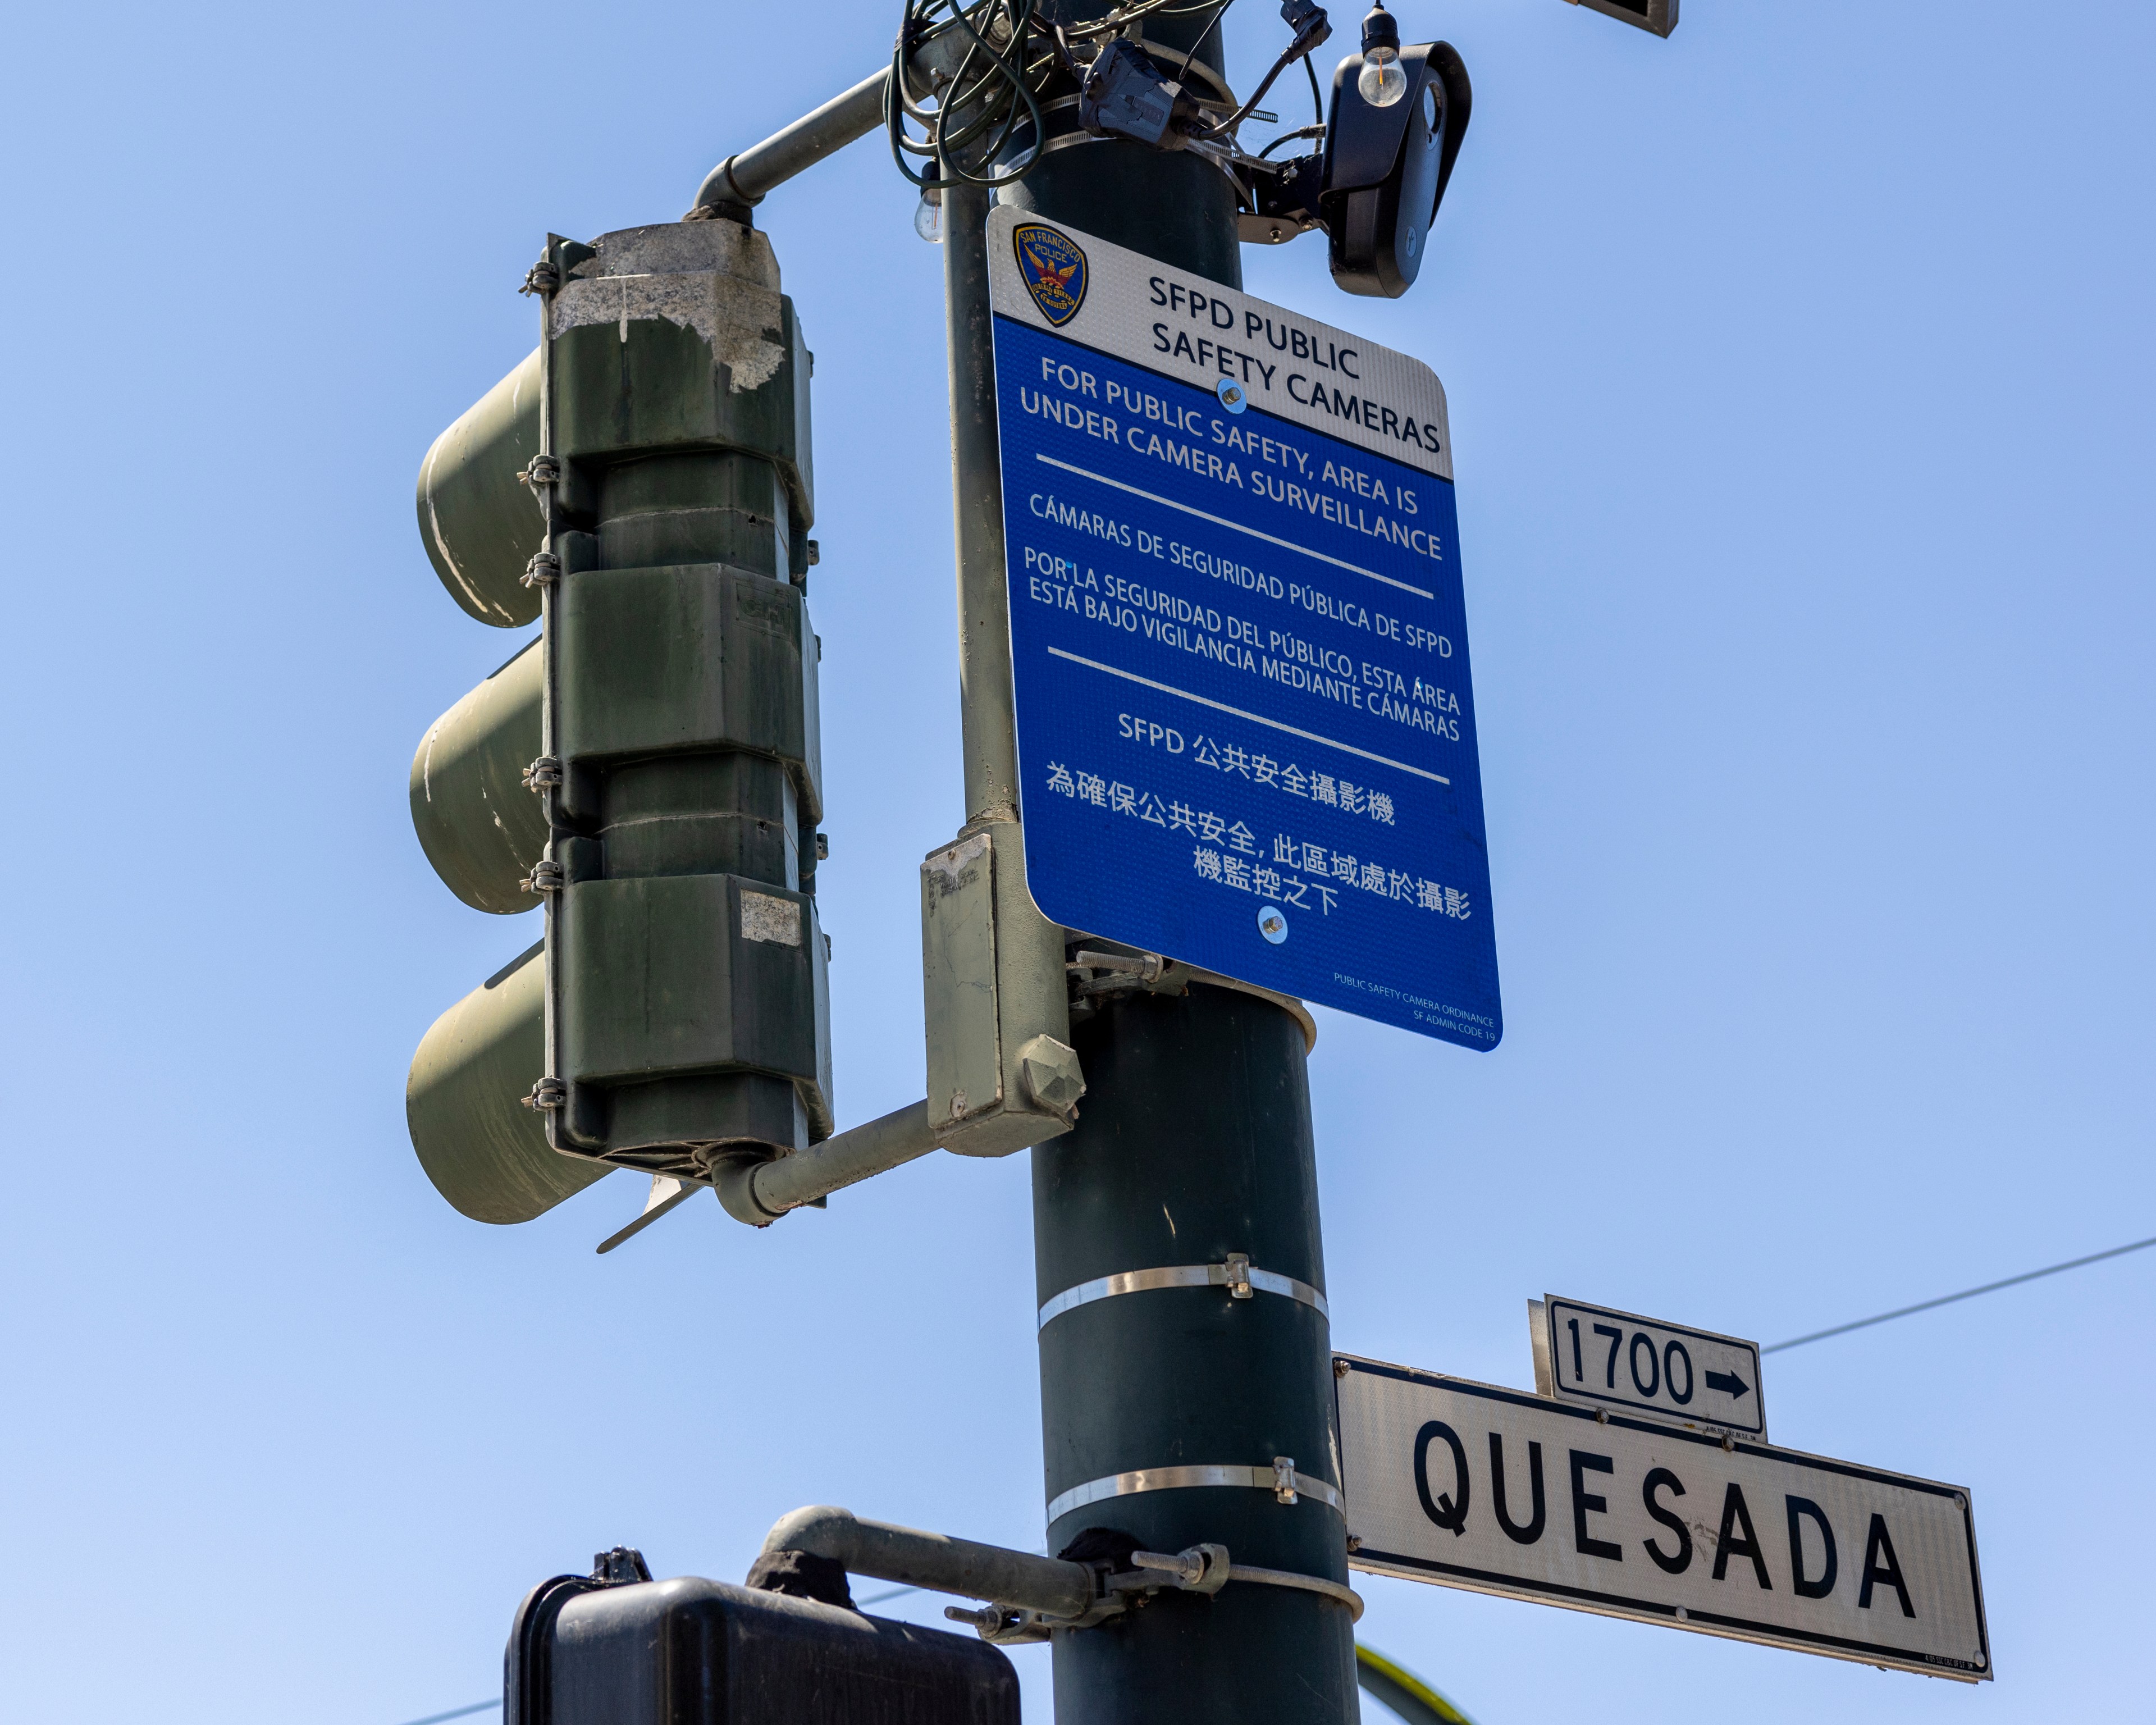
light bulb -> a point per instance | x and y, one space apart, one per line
928 217
1381 82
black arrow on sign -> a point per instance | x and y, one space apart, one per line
1728 1382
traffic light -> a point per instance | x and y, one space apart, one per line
618 1648
648 767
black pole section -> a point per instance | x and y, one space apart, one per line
1193 1144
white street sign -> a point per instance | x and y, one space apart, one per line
1469 1485
1618 1359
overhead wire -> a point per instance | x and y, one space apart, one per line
1396 1687
1990 1287
1861 1323
989 78
477 1706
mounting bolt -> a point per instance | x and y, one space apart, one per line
1051 1077
547 1094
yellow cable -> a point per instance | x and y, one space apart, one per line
1369 1663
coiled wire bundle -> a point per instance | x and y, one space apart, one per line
968 76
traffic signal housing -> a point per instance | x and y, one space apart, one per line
687 1651
648 767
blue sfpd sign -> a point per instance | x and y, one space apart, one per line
1246 722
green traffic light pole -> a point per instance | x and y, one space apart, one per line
1178 1413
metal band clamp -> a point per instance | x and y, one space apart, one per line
1199 1569
1237 1276
1208 1568
1280 1479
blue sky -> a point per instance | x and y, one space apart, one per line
1799 371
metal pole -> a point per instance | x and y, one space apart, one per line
760 1193
990 730
1163 1404
1195 1144
745 178
1160 1406
935 1561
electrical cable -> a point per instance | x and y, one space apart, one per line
1861 1323
1990 1287
1403 1691
1011 49
987 89
1301 48
1190 54
1289 137
1393 1684
960 123
477 1706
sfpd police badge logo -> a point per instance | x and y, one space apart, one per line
1053 270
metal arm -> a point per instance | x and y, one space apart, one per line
1048 1585
745 178
760 1193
